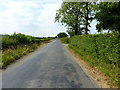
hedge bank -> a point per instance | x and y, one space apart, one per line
101 51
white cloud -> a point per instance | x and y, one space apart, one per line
29 17
16 16
45 21
32 0
93 27
33 17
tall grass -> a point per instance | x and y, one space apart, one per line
64 40
10 55
17 45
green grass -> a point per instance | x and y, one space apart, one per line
107 69
101 51
64 40
11 55
17 45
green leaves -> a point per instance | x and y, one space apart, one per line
108 15
65 40
11 41
101 50
16 39
62 34
75 14
17 45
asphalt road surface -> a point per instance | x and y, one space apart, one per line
51 66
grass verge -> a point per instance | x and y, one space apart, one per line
11 55
64 40
108 78
101 55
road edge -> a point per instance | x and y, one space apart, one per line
26 55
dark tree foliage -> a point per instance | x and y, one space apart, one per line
108 16
69 15
75 14
71 32
62 34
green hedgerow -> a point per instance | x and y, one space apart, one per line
100 50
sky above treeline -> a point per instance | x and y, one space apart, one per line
31 17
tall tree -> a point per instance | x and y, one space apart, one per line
87 15
108 16
71 32
75 14
70 15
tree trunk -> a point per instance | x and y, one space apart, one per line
76 26
86 19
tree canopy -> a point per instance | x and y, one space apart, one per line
77 16
62 34
74 15
108 16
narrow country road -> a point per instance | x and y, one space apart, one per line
51 66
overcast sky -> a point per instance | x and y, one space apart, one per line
31 17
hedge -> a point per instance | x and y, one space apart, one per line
101 51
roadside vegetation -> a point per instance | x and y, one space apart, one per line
63 37
65 40
99 50
17 45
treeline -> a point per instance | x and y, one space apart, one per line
11 41
77 16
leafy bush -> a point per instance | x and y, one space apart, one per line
100 51
64 40
23 39
62 35
7 41
11 41
16 45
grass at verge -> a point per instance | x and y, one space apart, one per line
106 69
64 40
11 55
